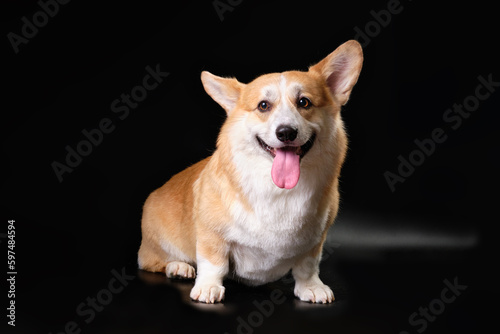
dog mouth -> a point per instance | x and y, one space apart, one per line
285 171
301 151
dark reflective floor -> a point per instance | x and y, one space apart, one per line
378 287
422 279
377 295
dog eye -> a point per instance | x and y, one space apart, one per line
264 106
304 102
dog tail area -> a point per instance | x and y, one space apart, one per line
168 237
150 260
168 233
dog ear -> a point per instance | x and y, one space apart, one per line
224 91
341 69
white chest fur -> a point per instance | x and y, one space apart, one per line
283 225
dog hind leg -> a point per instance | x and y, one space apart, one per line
179 269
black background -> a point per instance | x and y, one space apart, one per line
71 234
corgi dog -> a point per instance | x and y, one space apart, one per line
262 204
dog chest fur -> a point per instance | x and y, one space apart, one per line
264 244
281 224
263 202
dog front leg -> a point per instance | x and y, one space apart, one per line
308 285
212 266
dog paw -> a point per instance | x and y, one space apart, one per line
318 293
177 269
208 293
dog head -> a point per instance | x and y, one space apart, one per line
284 115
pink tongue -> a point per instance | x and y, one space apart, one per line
286 168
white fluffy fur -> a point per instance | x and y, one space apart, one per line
208 287
245 224
266 243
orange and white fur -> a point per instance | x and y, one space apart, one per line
263 202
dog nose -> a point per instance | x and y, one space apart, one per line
286 133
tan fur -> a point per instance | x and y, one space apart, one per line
168 212
192 209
